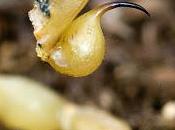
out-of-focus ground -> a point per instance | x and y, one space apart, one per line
137 77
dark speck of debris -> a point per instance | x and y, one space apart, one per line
39 45
44 6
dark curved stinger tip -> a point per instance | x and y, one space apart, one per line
128 4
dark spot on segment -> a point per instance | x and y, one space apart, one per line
44 7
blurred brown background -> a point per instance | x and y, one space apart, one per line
137 77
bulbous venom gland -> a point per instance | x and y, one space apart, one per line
80 48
